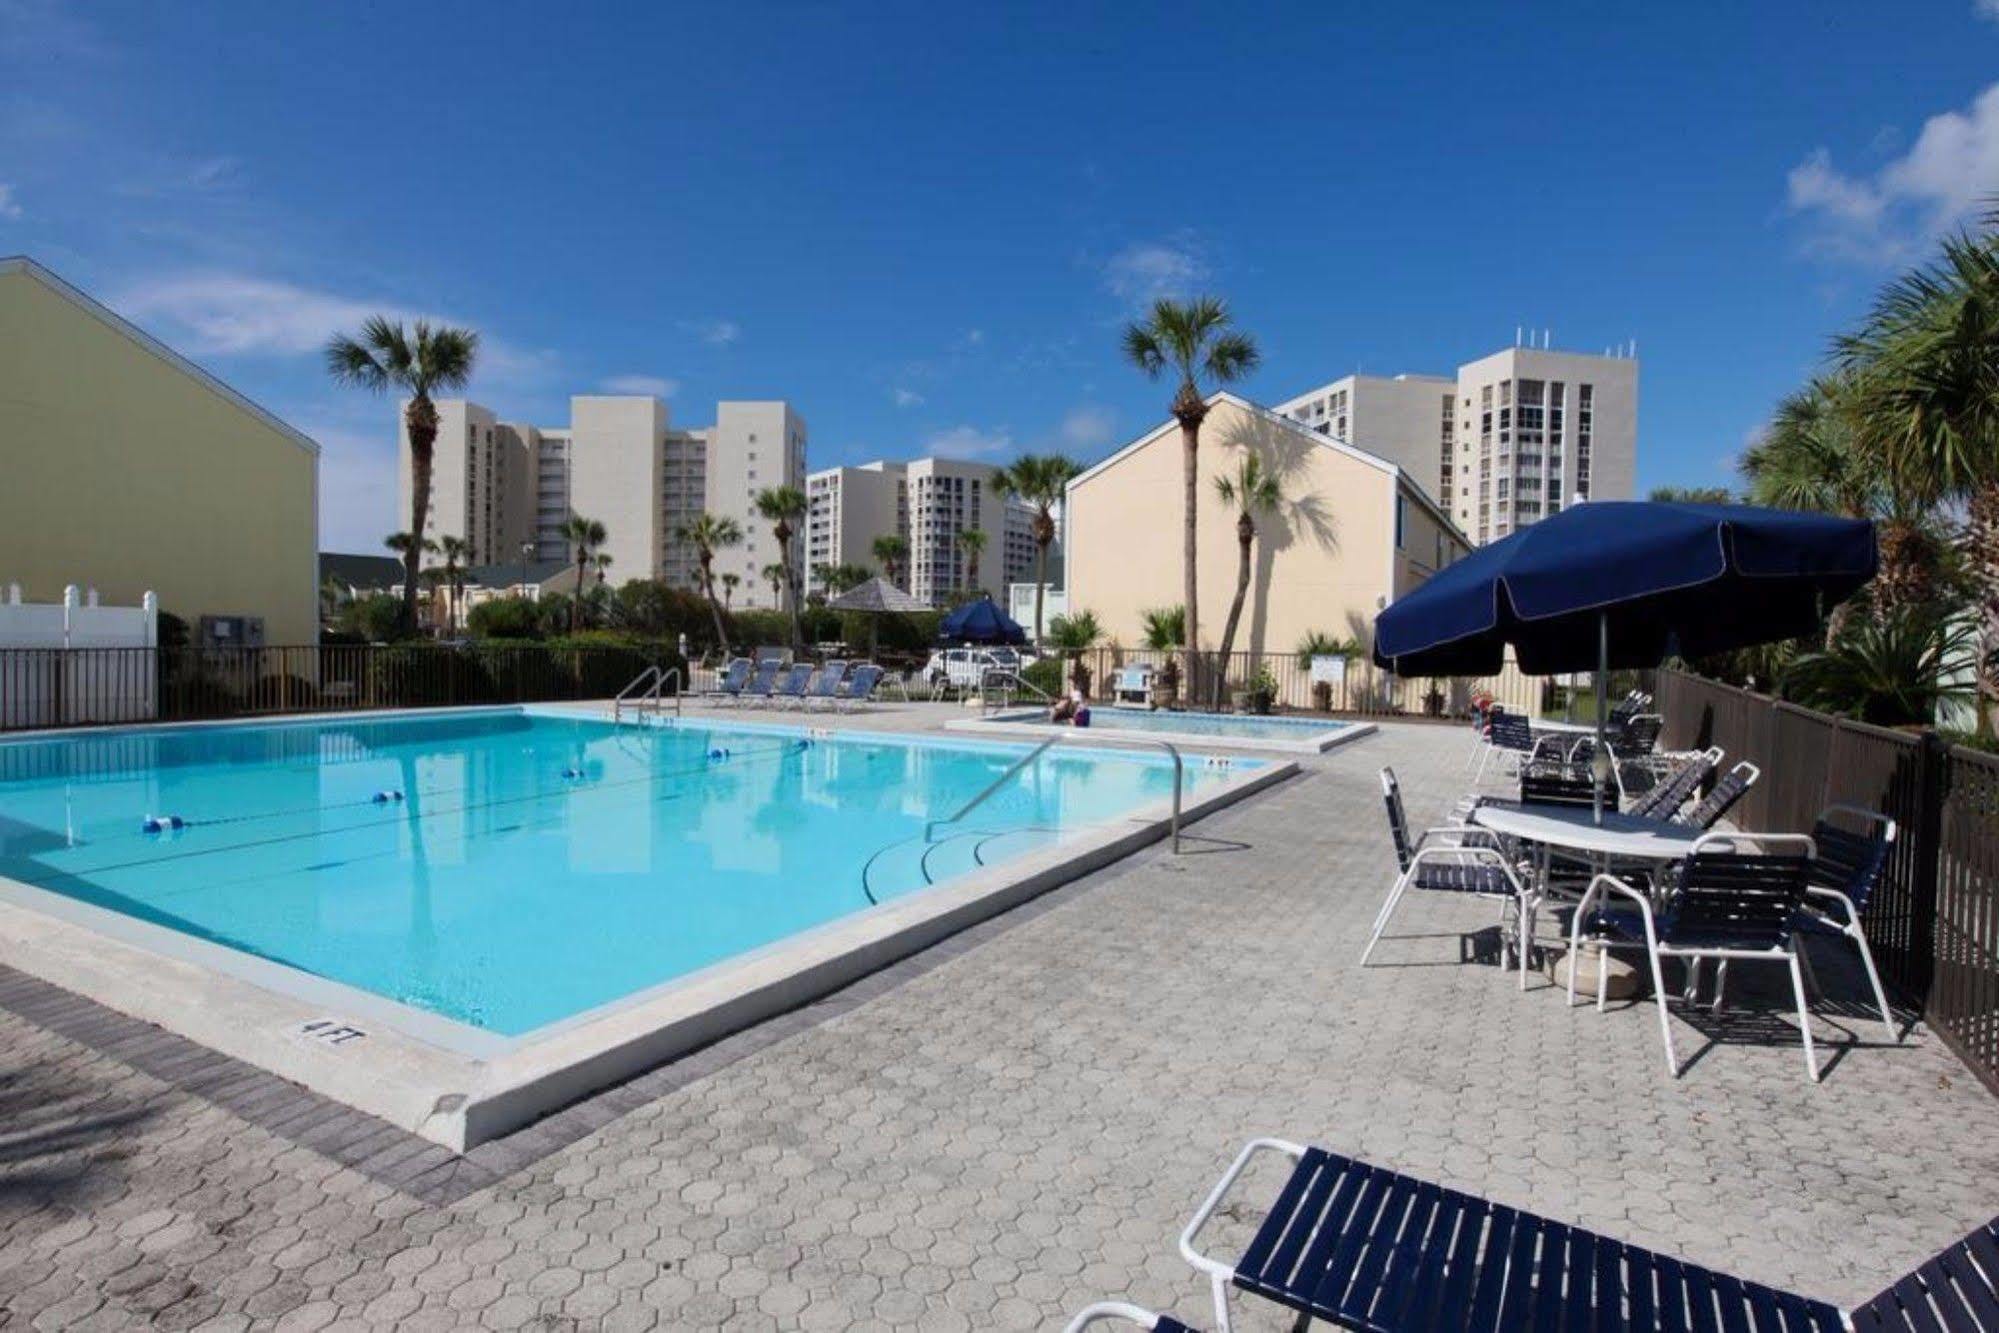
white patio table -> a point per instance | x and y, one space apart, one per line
1619 838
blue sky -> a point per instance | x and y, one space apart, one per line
924 225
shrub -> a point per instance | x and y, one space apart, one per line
1044 674
504 618
378 617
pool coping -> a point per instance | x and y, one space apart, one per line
405 1066
1014 724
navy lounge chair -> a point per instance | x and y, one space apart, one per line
1380 1252
791 685
761 685
729 684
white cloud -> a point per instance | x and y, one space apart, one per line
1947 175
973 337
1986 9
234 314
1087 427
649 385
10 207
906 397
1146 271
714 332
968 442
171 176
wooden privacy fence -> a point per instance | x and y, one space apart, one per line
1934 923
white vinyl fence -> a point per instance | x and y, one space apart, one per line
52 683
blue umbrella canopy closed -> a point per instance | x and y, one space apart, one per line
980 622
1624 584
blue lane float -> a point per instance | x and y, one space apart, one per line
161 823
718 753
390 797
573 774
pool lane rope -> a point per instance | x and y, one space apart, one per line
179 822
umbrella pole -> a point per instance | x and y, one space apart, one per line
1600 761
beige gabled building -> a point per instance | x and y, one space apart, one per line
127 468
1354 533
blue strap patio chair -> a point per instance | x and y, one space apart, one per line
1123 1312
729 685
791 685
826 685
1448 860
860 686
761 684
1848 869
1729 905
1638 737
1730 788
1664 799
1512 734
1380 1252
1561 785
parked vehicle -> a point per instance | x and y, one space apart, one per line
964 668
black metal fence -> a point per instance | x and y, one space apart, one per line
1355 686
1935 923
66 687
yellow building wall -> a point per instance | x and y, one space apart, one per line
1324 560
120 470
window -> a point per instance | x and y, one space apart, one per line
1401 520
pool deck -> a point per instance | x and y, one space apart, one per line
1000 1130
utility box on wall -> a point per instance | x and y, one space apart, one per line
232 631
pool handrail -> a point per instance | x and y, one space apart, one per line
650 687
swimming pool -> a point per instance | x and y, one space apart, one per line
1298 735
511 870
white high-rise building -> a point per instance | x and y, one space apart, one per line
508 486
930 502
1406 419
1512 438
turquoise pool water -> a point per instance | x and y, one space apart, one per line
512 869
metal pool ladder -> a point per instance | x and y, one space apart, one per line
648 688
1179 775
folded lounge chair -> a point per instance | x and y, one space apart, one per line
729 685
1380 1252
761 684
1848 868
860 686
825 685
791 685
1732 787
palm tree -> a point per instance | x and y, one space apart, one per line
972 541
893 551
1253 488
1073 635
418 363
1692 495
1930 352
1040 480
783 506
774 575
1193 340
584 536
730 582
455 552
412 553
707 534
838 578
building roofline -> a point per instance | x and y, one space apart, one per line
1299 428
105 315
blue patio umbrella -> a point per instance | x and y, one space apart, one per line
1626 584
980 622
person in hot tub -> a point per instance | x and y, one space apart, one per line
1066 708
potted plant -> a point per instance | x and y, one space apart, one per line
1261 695
1072 636
1164 628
